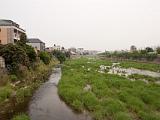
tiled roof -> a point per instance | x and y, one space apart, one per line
8 23
34 40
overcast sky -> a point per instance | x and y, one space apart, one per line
91 24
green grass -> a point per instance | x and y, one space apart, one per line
140 65
21 117
141 77
5 93
111 96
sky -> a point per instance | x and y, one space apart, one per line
90 24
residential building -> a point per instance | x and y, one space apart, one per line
36 43
56 47
133 48
80 51
10 31
49 49
72 49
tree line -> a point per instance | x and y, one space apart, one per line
144 54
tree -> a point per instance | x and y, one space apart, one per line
23 38
68 54
59 55
45 57
30 53
28 49
143 51
149 49
158 50
14 55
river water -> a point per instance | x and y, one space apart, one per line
47 105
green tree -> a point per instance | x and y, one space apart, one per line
149 49
68 54
23 38
59 55
28 49
158 50
45 57
14 55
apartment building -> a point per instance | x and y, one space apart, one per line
10 31
36 43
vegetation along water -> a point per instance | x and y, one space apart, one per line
86 85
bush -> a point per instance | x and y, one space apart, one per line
158 50
13 78
122 116
31 53
21 117
60 55
5 93
45 57
14 55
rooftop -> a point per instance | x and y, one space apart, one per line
4 22
34 40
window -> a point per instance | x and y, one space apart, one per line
15 31
15 40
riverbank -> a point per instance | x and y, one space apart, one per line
15 93
85 85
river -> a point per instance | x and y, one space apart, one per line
47 105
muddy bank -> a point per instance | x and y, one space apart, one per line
47 105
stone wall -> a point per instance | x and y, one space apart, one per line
2 62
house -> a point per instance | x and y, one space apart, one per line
80 51
56 47
36 43
49 49
10 31
133 48
72 49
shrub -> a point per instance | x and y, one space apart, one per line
45 57
14 55
59 55
4 78
31 53
22 93
5 93
158 50
122 116
27 48
13 78
21 117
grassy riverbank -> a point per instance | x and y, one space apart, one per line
108 96
141 65
16 91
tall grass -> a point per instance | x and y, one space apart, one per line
19 88
21 117
111 96
139 65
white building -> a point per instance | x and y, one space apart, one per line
36 43
80 51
